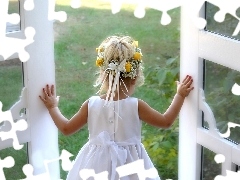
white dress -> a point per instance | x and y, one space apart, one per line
114 141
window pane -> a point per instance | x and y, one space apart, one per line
227 27
218 84
210 169
13 8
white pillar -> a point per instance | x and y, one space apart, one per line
190 116
38 71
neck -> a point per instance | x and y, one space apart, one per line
123 92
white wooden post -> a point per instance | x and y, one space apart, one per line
38 71
190 116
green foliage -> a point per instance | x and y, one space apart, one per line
75 43
163 78
163 145
163 150
75 57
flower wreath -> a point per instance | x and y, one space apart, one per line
128 68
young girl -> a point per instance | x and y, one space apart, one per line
114 118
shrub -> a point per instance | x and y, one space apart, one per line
163 145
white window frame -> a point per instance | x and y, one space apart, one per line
39 70
16 30
13 31
197 45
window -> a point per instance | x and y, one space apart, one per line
218 84
210 168
14 7
211 56
227 27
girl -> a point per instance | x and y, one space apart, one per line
114 117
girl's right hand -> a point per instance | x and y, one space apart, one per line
184 88
49 99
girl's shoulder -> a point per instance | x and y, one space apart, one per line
94 97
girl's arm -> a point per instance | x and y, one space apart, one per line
153 117
66 126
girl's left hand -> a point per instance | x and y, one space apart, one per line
184 88
49 99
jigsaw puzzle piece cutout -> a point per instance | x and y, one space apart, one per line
4 17
66 162
137 167
230 176
65 158
162 5
28 171
227 7
20 125
139 11
116 6
236 89
13 18
19 105
8 130
87 173
165 6
75 4
28 5
4 116
7 162
10 45
66 165
219 158
194 11
228 132
52 15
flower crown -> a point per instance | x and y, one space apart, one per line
127 68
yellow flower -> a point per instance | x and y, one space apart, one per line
99 62
128 67
137 56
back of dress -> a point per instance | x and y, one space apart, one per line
114 141
119 118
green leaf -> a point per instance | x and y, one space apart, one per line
161 76
155 147
166 144
175 71
171 61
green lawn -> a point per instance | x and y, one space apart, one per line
75 43
75 55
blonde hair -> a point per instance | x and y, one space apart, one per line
121 52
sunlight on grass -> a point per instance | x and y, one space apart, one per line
101 4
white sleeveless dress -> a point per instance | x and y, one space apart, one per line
114 141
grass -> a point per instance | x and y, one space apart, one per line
11 82
75 43
11 86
